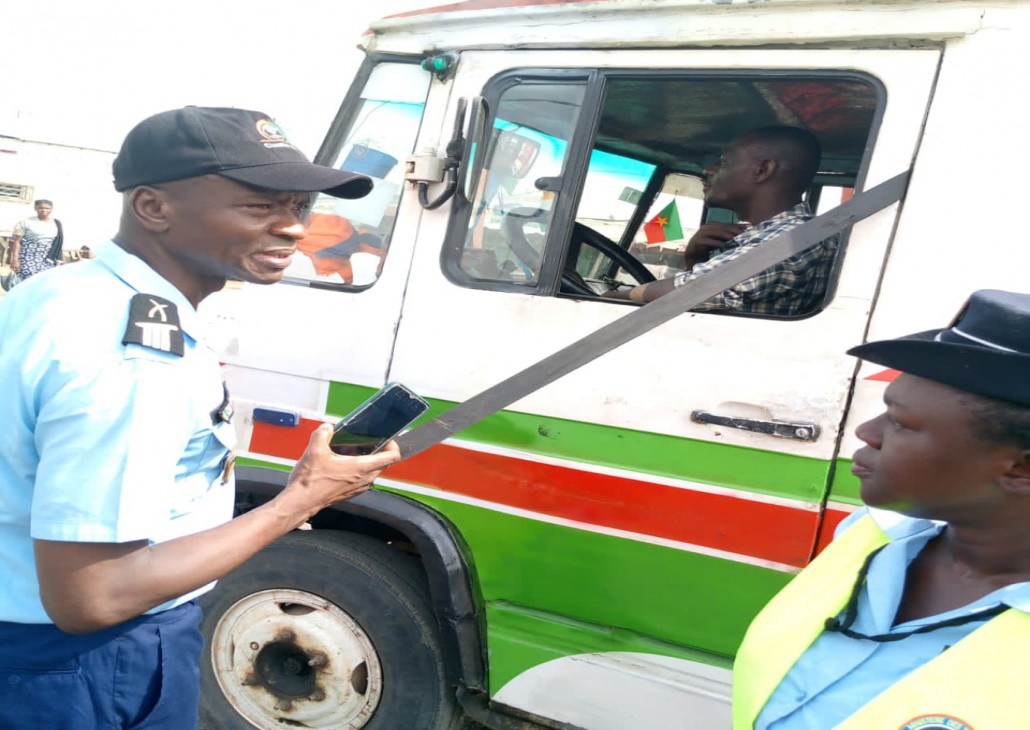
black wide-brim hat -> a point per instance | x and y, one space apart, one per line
242 145
986 350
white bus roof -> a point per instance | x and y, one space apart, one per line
506 24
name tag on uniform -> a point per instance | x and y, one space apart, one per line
154 323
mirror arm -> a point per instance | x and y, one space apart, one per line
455 150
423 193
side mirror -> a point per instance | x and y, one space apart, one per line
514 154
470 172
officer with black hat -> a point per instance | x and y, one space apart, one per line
918 614
116 487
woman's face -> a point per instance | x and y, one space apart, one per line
922 457
43 211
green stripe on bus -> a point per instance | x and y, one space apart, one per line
522 638
249 461
553 591
736 467
845 485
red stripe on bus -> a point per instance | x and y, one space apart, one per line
773 532
885 376
286 442
831 518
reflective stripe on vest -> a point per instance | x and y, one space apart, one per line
980 683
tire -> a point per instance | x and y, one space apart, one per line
327 631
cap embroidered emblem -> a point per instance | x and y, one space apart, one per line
272 135
154 323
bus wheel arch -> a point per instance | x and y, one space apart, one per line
440 558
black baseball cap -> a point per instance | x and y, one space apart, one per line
985 350
242 145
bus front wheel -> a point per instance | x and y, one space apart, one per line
323 630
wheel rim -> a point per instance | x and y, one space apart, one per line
287 657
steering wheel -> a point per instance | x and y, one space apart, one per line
573 283
512 229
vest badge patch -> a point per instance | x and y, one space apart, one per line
154 323
936 722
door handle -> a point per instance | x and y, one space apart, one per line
780 429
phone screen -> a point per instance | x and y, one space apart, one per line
369 426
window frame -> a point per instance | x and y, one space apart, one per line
16 193
563 211
328 152
582 143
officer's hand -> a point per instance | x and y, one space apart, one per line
322 477
710 237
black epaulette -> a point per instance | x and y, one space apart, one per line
154 323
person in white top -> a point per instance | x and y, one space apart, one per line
33 240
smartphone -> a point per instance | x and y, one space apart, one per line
368 427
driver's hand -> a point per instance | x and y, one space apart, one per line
710 238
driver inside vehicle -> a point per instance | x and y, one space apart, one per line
761 176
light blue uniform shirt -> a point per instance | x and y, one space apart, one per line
837 675
102 441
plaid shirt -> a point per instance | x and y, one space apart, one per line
792 287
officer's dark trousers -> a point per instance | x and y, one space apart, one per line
140 675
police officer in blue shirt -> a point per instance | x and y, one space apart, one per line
917 616
116 488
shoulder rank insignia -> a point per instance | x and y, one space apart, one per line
154 323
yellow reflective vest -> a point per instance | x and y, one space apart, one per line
980 683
